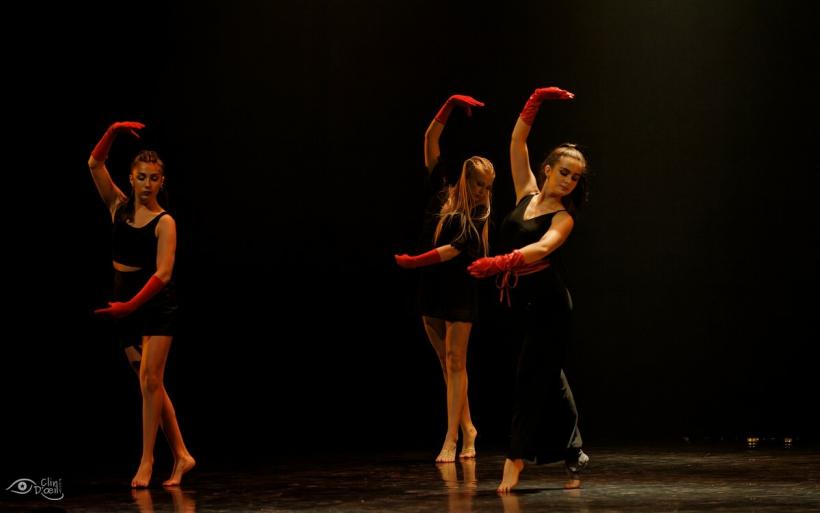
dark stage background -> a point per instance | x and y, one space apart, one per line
292 135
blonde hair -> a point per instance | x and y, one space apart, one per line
460 206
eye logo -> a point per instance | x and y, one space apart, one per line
51 489
22 486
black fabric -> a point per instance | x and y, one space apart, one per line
545 418
135 247
158 316
446 290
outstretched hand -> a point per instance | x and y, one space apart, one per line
127 126
100 151
406 261
534 102
115 309
465 102
490 266
552 93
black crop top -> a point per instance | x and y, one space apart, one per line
135 247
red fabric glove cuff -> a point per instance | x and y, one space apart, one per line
100 151
411 262
151 288
530 109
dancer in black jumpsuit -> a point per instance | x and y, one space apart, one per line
545 420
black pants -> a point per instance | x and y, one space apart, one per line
545 418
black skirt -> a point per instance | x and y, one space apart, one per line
156 317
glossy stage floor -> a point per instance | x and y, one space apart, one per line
624 479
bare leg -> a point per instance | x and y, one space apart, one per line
455 341
437 330
152 370
134 355
183 461
468 430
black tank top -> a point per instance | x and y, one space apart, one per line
135 247
516 233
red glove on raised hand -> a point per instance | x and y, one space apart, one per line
541 94
490 266
411 262
116 309
100 152
465 102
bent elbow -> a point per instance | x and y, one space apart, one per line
164 275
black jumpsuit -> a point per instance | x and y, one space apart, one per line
545 419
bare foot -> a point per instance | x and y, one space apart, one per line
143 475
181 466
572 484
574 471
448 452
512 469
468 445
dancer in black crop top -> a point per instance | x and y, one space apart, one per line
545 419
144 306
448 297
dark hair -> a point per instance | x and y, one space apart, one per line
126 210
576 200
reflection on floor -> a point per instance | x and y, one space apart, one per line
634 480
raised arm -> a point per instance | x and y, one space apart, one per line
523 177
432 151
109 192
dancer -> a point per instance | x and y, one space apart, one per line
144 306
545 420
448 297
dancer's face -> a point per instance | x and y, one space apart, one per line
480 186
146 178
562 178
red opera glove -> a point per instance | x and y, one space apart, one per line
465 102
116 309
100 152
541 94
411 262
490 266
